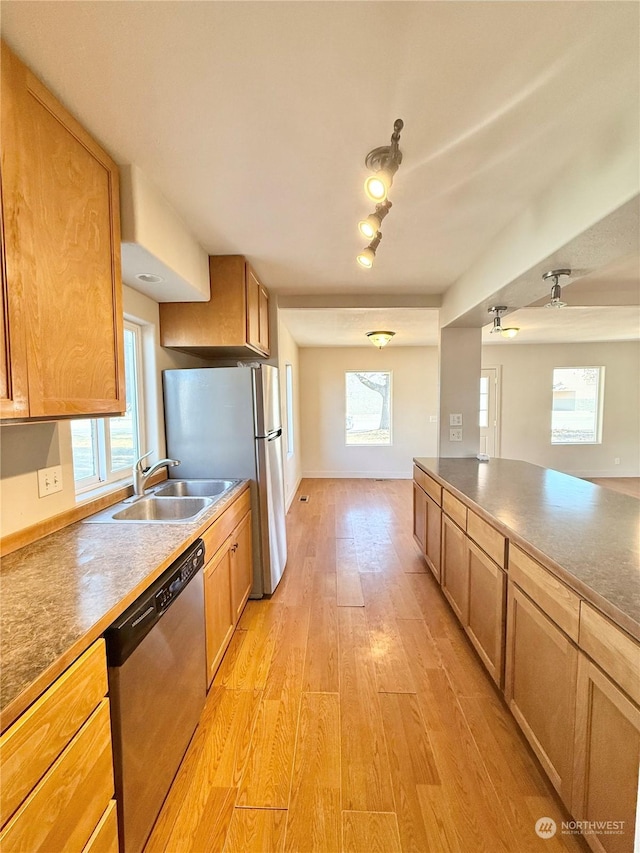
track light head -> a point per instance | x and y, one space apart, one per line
366 256
370 226
384 162
556 290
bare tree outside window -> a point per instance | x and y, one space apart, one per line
368 407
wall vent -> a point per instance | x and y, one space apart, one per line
304 499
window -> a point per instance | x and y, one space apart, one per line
105 449
289 400
368 407
576 417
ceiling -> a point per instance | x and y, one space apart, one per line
254 118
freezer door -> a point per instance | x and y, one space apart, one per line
272 510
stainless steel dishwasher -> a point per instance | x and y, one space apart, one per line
157 688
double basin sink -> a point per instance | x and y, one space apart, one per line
175 501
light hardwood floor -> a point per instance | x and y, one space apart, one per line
625 485
350 712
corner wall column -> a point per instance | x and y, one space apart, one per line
460 361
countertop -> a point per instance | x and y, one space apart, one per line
59 594
589 536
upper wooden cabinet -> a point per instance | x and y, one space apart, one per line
234 322
61 280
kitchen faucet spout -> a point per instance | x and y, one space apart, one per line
141 475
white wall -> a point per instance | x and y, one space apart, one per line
322 410
24 448
459 357
527 373
288 353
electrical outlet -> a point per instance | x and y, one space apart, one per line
455 420
49 480
616 461
455 435
433 419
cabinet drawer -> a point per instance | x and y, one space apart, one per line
223 526
613 650
455 509
67 804
31 745
487 537
556 600
430 486
104 838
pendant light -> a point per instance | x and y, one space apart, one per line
556 290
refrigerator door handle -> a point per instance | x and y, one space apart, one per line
271 436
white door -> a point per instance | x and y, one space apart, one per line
489 426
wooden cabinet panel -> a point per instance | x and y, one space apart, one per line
616 652
241 567
487 610
420 517
67 804
224 525
219 618
454 568
426 528
230 323
540 687
487 537
105 836
607 757
559 602
62 232
36 739
455 509
428 484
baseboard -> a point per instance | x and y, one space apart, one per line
357 475
289 498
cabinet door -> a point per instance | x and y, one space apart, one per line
68 239
420 517
487 610
241 566
540 687
219 622
263 341
253 308
607 756
434 524
455 574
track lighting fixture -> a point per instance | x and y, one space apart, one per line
497 310
380 339
370 226
556 290
366 256
384 162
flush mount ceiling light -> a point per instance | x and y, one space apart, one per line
380 339
510 332
384 162
556 290
370 226
366 256
149 278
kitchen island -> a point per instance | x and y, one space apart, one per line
542 571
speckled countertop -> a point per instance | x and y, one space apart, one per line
588 535
58 594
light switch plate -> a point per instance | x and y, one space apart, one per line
455 435
49 480
455 420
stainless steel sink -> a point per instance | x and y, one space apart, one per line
153 508
191 488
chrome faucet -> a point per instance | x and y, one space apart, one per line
141 475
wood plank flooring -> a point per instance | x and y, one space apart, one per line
624 485
350 714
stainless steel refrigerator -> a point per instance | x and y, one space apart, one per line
226 422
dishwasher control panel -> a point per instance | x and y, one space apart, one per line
179 579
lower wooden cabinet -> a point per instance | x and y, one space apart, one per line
58 766
426 528
454 568
241 566
607 757
487 610
540 687
219 615
105 835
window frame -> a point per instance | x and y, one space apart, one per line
288 384
346 411
599 411
101 428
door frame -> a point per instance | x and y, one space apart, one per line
497 430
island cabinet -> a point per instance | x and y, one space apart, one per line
427 498
228 577
541 665
233 323
57 767
454 575
607 733
62 326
